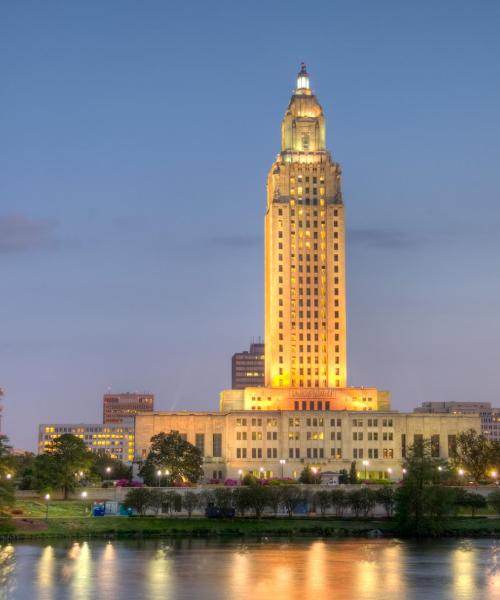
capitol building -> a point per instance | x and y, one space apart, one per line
305 413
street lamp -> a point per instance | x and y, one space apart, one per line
240 473
261 472
282 463
108 470
8 476
494 475
47 498
83 495
365 464
158 473
389 472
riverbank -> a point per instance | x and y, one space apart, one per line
153 527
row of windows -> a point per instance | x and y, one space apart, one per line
372 422
387 436
372 453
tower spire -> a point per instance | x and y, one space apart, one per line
303 78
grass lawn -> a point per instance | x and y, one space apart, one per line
57 508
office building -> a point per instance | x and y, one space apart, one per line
247 368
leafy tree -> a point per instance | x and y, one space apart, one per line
355 501
323 500
258 498
308 476
494 501
417 502
207 498
241 500
60 465
439 502
223 498
171 501
353 473
190 502
474 453
368 498
22 467
469 500
339 501
106 467
170 451
141 499
6 486
274 493
5 456
290 497
343 476
387 498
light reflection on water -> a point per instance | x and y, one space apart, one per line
260 570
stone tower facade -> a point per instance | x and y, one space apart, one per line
305 308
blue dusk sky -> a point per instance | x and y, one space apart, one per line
135 140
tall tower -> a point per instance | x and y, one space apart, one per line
305 309
305 303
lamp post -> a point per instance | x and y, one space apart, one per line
8 476
158 474
494 475
282 463
389 472
83 496
404 473
240 473
365 464
108 471
261 472
47 498
167 474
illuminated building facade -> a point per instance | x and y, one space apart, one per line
249 441
116 440
247 368
305 298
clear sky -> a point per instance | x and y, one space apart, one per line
135 139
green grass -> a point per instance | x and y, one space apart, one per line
57 508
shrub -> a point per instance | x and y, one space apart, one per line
223 498
308 476
470 500
249 479
494 501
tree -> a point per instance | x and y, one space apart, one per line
223 498
290 497
343 476
171 502
22 467
258 498
355 502
60 466
6 486
474 454
308 476
353 473
324 501
417 502
494 501
141 499
249 479
387 498
274 493
171 452
469 500
106 467
339 501
190 502
241 500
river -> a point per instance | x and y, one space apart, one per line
267 569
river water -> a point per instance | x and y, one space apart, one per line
267 569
